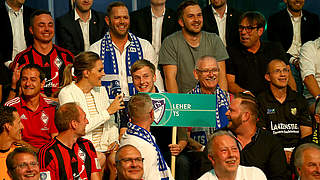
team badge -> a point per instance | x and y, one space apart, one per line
294 111
271 111
159 106
82 155
58 62
44 118
45 175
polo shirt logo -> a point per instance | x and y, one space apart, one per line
294 111
58 62
271 111
23 116
44 118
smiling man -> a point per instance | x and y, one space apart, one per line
180 51
10 133
129 163
23 164
119 49
35 111
51 58
224 155
80 27
248 61
283 111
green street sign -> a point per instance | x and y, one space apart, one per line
184 110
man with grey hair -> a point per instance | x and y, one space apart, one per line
129 163
138 134
206 72
307 161
224 155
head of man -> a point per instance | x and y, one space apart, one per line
190 17
307 161
118 19
42 26
70 116
141 109
15 4
277 74
251 28
207 72
32 79
294 5
143 76
218 3
83 5
22 163
243 110
224 154
129 163
10 123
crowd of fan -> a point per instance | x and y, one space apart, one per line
73 111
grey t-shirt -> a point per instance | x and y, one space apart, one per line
176 51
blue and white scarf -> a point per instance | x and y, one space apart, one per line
111 69
145 135
221 107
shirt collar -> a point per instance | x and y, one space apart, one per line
10 9
153 15
215 12
42 103
76 15
292 15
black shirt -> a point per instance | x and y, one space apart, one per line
249 69
284 119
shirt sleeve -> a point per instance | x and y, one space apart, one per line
95 165
221 53
47 165
168 52
308 57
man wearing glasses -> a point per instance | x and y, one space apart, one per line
22 163
248 61
283 111
129 163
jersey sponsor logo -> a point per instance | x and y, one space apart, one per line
49 82
271 111
45 175
23 116
58 62
282 128
82 155
294 111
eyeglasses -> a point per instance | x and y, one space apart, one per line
127 160
207 71
278 71
25 165
247 28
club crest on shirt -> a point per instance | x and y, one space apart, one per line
58 62
159 106
294 111
45 175
82 155
44 118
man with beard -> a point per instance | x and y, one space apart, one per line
22 164
51 58
258 147
283 111
293 27
248 61
36 112
180 51
10 133
224 155
119 49
307 161
80 28
223 20
154 23
68 156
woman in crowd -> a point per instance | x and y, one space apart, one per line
86 90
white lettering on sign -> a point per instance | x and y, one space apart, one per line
181 106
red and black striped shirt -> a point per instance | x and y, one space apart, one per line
60 162
52 65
